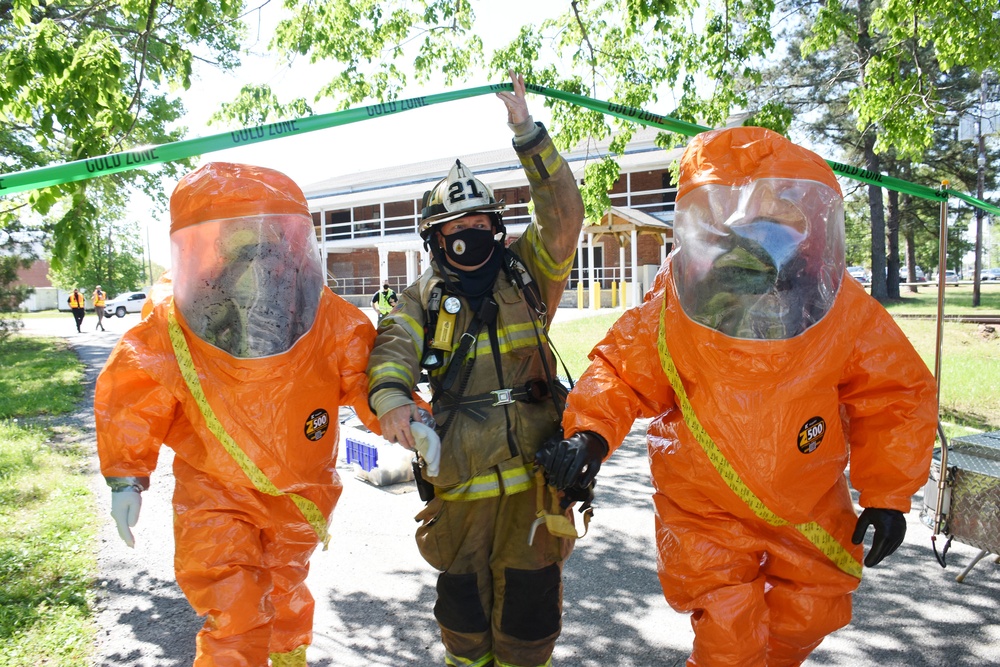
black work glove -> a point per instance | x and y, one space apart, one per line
574 461
890 529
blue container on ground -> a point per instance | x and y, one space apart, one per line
363 454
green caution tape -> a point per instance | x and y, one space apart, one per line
80 170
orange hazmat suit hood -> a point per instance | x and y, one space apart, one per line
739 155
220 190
245 262
760 234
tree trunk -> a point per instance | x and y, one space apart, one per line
892 263
911 251
877 211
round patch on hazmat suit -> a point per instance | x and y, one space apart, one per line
317 423
811 435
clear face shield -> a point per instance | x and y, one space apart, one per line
249 286
760 261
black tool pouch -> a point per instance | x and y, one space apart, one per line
424 488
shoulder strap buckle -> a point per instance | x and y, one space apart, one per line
503 396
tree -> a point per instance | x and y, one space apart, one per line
115 261
16 253
630 52
870 81
87 78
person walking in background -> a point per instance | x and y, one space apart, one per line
241 368
766 370
477 321
99 298
383 301
78 306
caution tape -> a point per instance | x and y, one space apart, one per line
80 170
812 531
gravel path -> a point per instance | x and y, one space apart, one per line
374 593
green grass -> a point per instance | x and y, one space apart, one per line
47 517
39 376
957 300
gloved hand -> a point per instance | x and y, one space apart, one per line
574 461
890 529
125 506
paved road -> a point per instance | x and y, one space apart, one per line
374 593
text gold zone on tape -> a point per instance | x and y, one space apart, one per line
81 170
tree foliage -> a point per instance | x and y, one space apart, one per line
16 253
87 78
632 52
115 260
879 84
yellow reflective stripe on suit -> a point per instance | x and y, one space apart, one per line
812 531
260 481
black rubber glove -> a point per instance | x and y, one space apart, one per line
890 529
574 461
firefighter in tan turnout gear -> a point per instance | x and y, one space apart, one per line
477 322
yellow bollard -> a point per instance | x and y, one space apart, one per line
614 294
625 294
597 296
579 295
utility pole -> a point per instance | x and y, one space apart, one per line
980 178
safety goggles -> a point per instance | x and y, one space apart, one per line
554 520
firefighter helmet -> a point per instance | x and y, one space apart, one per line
460 193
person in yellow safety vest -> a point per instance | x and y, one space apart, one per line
240 368
78 307
99 299
383 301
477 322
766 370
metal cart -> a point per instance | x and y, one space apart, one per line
965 504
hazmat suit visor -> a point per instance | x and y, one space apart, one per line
249 286
763 260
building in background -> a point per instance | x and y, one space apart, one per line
367 222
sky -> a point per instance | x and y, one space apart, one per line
442 130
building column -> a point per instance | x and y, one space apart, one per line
621 268
383 265
636 297
592 270
412 264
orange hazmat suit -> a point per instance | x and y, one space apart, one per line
241 370
766 372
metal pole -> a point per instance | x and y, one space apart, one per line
942 255
149 259
942 259
980 178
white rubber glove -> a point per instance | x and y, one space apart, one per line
428 444
125 507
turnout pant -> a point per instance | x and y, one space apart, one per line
499 601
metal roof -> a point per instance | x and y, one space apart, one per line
497 168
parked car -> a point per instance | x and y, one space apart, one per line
950 277
904 274
858 273
989 274
129 302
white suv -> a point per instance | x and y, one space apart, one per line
129 302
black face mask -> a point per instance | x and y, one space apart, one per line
469 247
